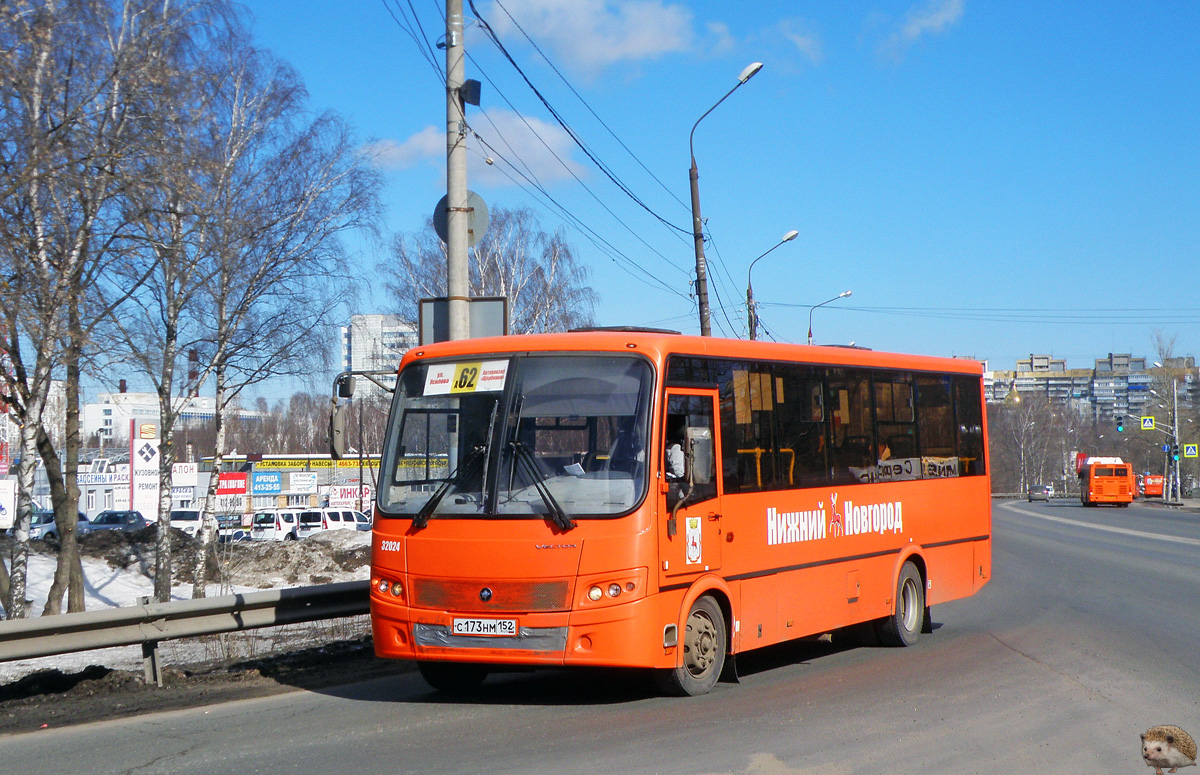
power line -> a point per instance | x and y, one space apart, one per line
603 245
565 166
491 34
539 192
621 142
1090 316
422 42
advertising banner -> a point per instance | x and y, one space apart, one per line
144 462
266 483
232 484
185 474
346 497
8 503
4 445
302 483
120 476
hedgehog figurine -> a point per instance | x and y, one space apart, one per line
1168 747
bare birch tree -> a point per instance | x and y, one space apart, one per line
536 271
285 186
78 80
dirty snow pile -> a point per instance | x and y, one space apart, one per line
118 570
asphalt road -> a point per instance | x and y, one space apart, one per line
1087 635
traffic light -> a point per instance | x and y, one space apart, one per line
1120 424
1175 453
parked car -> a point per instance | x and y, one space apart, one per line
128 521
43 528
347 519
275 526
313 521
187 520
230 527
1040 492
318 520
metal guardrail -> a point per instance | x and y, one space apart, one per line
149 623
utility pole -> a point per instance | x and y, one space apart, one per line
1175 492
457 283
698 238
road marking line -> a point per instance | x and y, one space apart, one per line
1104 528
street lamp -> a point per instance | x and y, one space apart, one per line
697 226
751 315
841 295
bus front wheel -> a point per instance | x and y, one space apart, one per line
704 645
908 616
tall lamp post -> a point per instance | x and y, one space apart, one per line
697 226
751 314
1171 467
841 295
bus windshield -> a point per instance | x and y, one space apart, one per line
561 436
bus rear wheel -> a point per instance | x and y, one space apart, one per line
704 645
453 677
908 616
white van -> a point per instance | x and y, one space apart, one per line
275 526
318 520
347 519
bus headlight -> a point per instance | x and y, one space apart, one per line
622 586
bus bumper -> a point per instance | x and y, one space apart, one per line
623 635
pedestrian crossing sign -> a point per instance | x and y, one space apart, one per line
1147 423
1189 450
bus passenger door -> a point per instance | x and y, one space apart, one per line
690 531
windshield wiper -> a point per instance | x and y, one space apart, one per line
465 468
557 514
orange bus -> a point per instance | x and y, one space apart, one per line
640 498
1152 485
1106 480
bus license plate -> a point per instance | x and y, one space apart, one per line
490 627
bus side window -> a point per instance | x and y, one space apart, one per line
853 437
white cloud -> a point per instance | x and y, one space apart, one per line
390 154
931 18
590 35
799 34
533 146
539 149
721 40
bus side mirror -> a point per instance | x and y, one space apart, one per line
345 386
700 455
337 432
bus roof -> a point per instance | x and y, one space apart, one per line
658 344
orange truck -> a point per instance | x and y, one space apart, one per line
534 509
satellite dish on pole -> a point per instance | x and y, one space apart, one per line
477 218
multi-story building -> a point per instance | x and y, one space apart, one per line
375 343
1118 385
108 416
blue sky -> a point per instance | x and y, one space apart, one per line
989 179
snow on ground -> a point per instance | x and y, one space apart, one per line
338 555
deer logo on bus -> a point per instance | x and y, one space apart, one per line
836 522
